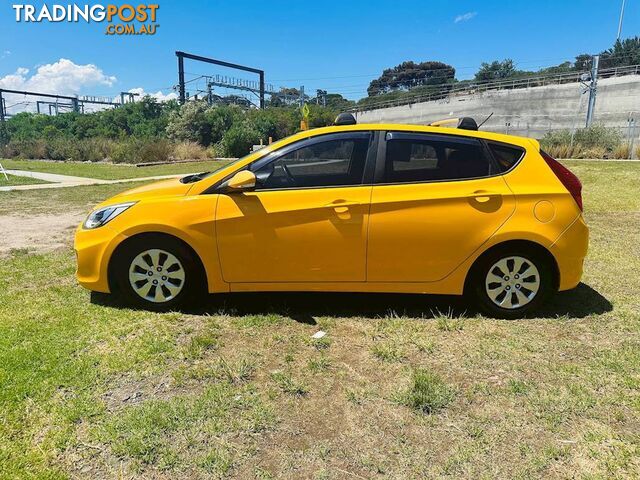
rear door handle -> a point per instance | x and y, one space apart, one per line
341 206
483 196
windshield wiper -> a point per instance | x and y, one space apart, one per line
194 178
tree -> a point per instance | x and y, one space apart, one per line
564 67
410 74
583 62
624 52
190 123
336 101
496 71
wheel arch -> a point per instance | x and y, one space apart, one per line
510 245
150 236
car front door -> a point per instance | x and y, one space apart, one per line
436 199
307 219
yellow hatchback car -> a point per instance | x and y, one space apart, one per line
350 208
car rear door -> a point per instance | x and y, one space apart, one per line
308 217
436 199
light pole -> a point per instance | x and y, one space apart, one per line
620 21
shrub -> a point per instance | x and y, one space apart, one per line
622 151
220 119
596 141
594 152
189 124
638 151
29 149
565 151
427 392
189 151
141 151
61 148
239 139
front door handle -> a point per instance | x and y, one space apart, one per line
483 196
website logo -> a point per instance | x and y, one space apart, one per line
124 19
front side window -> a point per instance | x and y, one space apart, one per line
426 159
329 163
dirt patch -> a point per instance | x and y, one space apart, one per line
38 233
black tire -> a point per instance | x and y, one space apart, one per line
192 288
476 283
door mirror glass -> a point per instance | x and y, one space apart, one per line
241 181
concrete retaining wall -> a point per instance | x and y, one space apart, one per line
528 111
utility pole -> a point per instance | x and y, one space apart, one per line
302 95
593 87
620 22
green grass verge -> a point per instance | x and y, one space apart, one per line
91 389
16 180
108 171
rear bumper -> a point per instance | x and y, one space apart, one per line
570 250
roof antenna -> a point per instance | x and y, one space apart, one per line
485 120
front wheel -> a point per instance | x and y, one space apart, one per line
511 283
157 273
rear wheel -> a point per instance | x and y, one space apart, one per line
158 273
511 282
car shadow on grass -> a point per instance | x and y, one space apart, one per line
303 307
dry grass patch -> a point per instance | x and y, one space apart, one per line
240 389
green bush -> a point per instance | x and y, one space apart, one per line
189 124
596 141
29 149
238 140
94 149
61 148
137 150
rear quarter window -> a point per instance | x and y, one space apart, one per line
506 156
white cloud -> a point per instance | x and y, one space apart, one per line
465 17
159 96
62 77
5 54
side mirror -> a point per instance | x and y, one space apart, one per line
241 181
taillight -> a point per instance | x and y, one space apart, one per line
568 179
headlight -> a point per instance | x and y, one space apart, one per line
104 215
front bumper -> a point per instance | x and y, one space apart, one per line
93 250
570 250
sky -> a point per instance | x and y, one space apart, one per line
339 46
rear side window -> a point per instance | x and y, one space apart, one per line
416 158
506 156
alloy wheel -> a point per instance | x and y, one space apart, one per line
512 282
156 275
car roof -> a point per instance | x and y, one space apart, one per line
498 137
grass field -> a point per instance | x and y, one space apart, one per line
57 200
109 171
15 180
401 386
